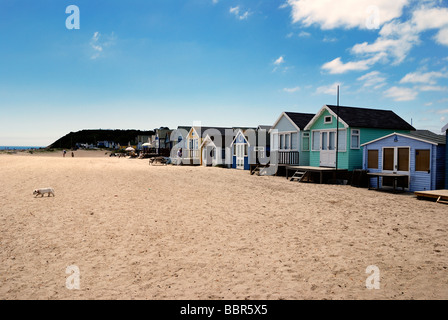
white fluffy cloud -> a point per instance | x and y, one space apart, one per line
426 77
373 79
401 94
336 66
279 61
238 13
291 90
397 36
329 89
329 14
98 45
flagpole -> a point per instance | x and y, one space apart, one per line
337 130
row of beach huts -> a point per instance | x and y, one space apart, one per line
337 143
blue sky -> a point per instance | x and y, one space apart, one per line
145 64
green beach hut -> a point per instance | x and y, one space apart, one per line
356 126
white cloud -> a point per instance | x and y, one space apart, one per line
329 14
279 61
396 41
98 45
398 34
329 39
430 18
426 78
433 88
401 94
442 37
304 34
291 90
336 66
215 1
238 13
330 89
373 79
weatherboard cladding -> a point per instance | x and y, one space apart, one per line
370 118
419 180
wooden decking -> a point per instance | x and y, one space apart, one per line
440 195
320 170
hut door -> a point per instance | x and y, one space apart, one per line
240 156
395 160
328 149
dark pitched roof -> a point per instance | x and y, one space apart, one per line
264 127
300 119
428 136
222 130
371 118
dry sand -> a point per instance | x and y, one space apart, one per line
165 232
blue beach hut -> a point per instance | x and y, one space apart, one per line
420 155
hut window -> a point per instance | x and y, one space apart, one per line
306 141
328 119
355 139
285 141
422 160
342 140
388 159
316 140
372 159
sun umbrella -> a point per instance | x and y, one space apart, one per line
130 149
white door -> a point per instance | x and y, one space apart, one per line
240 156
328 149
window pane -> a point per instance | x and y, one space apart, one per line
316 140
372 159
282 141
332 141
287 141
355 139
388 159
324 140
342 140
422 160
403 159
294 141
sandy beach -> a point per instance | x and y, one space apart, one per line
178 232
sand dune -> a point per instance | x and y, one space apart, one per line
166 232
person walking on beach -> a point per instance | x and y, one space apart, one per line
73 155
63 153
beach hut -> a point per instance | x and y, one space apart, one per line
250 147
289 139
417 157
355 126
205 146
